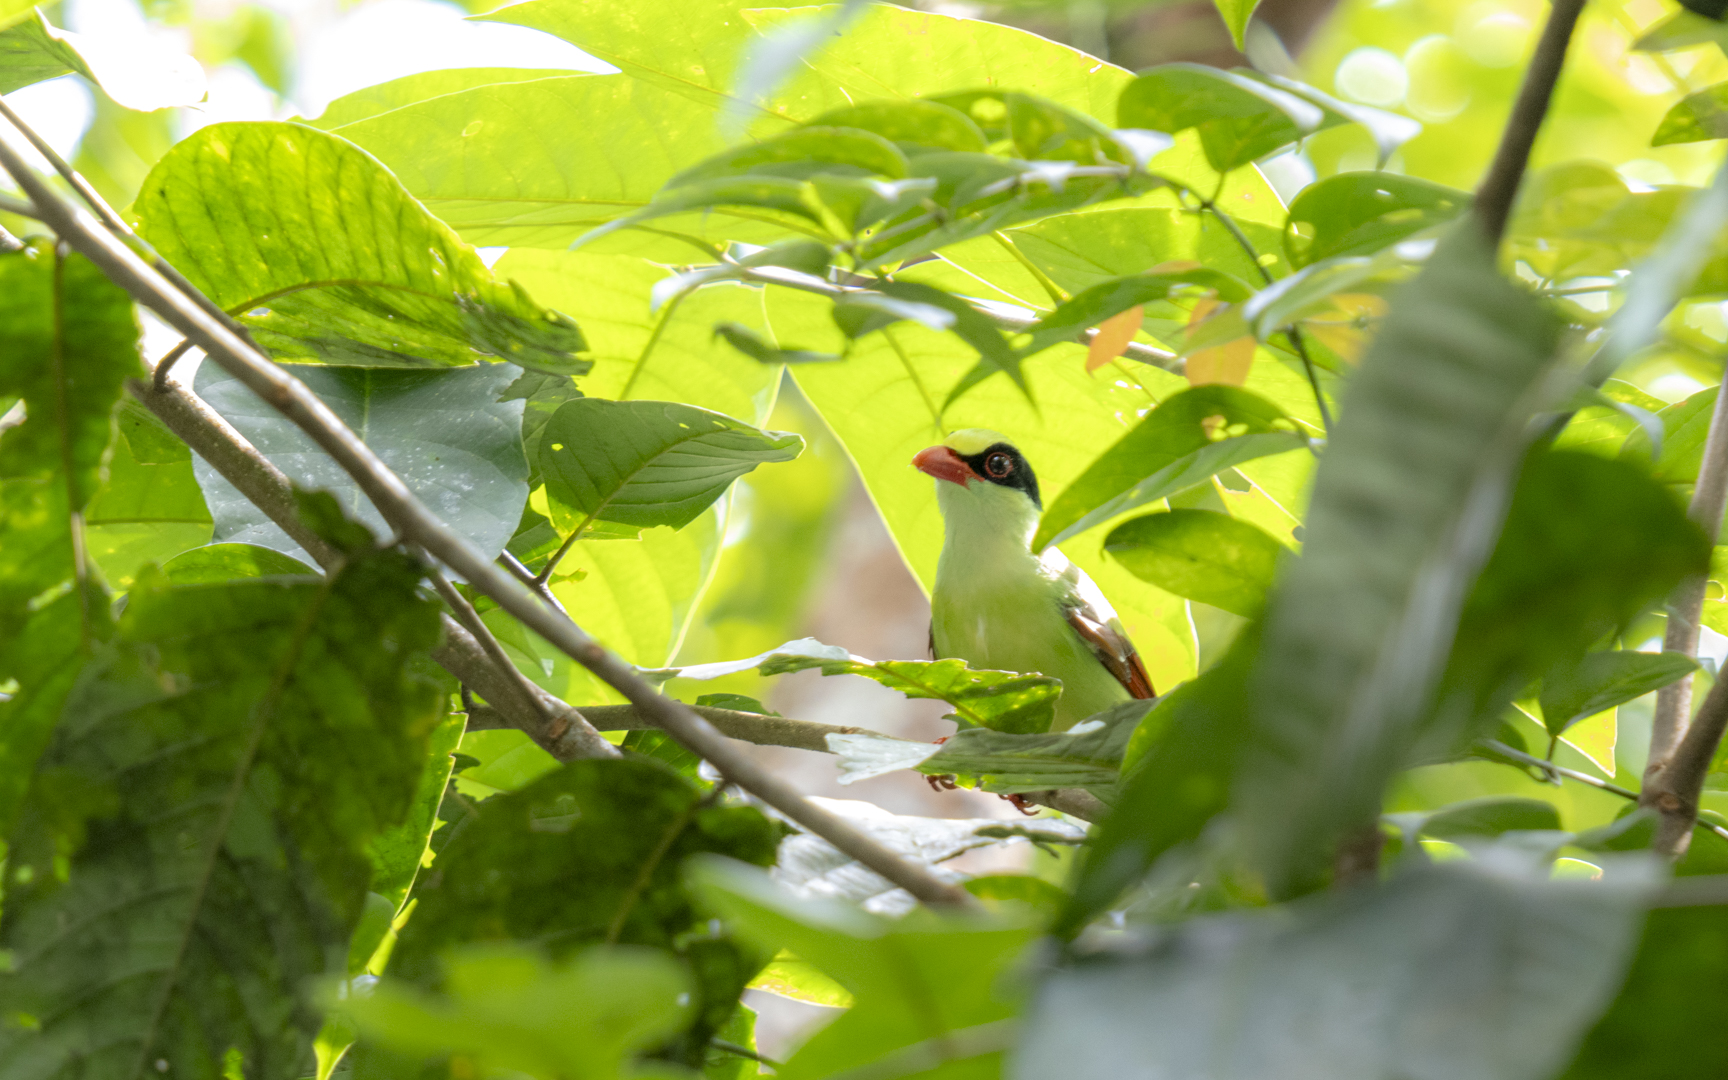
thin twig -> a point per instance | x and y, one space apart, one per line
1675 790
409 516
1295 335
526 576
744 1052
12 205
1494 199
1584 778
471 621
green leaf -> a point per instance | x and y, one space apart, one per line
68 341
913 126
493 161
424 86
1601 681
638 464
1002 700
802 153
1677 983
1236 14
1389 130
143 514
34 50
202 816
1239 119
1310 292
1588 544
444 432
322 254
1491 972
1008 762
1093 305
511 1010
1686 425
217 563
46 657
921 977
1200 554
1698 117
591 852
1489 817
1402 518
971 326
397 852
751 344
1190 437
1361 213
1178 767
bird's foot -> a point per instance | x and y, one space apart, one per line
1021 804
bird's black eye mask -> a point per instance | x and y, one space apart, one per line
1001 464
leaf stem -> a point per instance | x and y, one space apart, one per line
1290 332
1051 289
1494 199
399 506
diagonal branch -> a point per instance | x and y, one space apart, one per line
417 525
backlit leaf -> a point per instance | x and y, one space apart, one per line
1201 555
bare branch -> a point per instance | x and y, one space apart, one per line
1675 790
405 512
1500 188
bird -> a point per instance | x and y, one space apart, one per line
999 605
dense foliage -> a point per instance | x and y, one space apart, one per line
1383 495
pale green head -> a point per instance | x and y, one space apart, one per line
984 485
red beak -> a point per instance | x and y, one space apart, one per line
944 464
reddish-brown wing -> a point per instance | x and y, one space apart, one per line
1112 648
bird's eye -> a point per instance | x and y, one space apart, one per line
998 465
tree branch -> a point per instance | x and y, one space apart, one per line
1686 603
417 525
1675 790
1499 188
228 452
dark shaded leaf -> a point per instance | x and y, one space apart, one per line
1490 817
753 345
1450 970
202 816
1407 502
1201 555
1600 681
445 433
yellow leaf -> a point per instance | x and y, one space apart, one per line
791 977
1594 737
1112 337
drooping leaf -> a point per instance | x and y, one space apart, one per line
1236 14
751 344
68 341
1587 545
914 126
141 77
1097 303
1087 755
1600 681
1453 969
444 432
1189 437
1362 213
1698 117
1407 503
1200 554
1489 817
322 254
1239 119
1002 700
1179 767
202 816
637 464
802 153
508 1009
591 852
920 978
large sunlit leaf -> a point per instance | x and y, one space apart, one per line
424 86
1458 969
443 432
322 254
1407 503
202 817
144 76
623 466
1200 554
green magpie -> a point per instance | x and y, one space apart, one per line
1000 605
